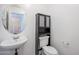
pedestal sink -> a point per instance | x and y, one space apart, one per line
13 43
14 21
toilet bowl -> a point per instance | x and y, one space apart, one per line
48 50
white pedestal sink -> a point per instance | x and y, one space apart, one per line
14 43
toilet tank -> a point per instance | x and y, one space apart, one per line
43 41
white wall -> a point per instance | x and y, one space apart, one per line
30 27
65 28
31 10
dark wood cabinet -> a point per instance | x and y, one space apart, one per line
42 29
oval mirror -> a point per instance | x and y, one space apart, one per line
13 20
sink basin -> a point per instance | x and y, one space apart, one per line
13 43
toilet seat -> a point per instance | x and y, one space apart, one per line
48 50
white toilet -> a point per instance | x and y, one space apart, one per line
47 50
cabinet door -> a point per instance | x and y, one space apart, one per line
47 22
42 21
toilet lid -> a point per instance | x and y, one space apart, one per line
50 50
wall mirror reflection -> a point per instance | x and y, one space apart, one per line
14 21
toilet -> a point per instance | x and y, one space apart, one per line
47 50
